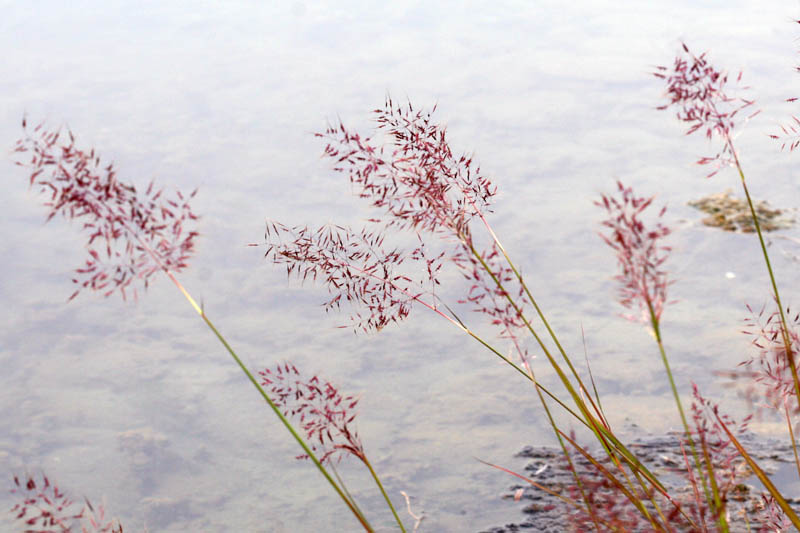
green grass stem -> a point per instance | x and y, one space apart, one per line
383 491
784 324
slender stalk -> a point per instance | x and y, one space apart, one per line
592 423
694 485
656 506
631 497
655 323
533 302
524 286
657 332
385 496
630 459
306 449
784 324
746 521
287 424
458 323
600 411
719 506
564 448
551 492
564 379
791 434
343 485
762 476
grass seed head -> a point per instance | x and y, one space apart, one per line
704 99
640 251
44 508
131 234
322 411
768 373
416 180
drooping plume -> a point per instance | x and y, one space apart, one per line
131 234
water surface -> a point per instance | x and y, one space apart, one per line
138 405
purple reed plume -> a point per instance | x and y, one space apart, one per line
354 266
790 133
700 94
769 370
771 516
322 411
46 509
416 183
640 252
614 511
609 505
729 466
487 298
131 234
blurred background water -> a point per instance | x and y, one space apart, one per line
138 405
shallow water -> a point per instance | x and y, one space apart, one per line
137 404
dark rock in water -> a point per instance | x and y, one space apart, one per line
662 455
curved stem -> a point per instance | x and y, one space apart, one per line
600 431
530 297
791 434
787 343
306 449
654 322
762 476
287 424
385 496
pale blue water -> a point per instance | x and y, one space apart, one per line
139 405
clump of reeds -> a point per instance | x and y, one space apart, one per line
702 97
416 183
133 234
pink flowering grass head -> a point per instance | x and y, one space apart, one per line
703 98
710 436
640 251
789 134
354 265
504 306
610 507
769 375
321 410
44 508
131 234
771 516
415 180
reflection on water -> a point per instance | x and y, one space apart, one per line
138 404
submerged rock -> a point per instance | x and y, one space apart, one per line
730 213
662 455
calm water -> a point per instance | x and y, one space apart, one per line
139 405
